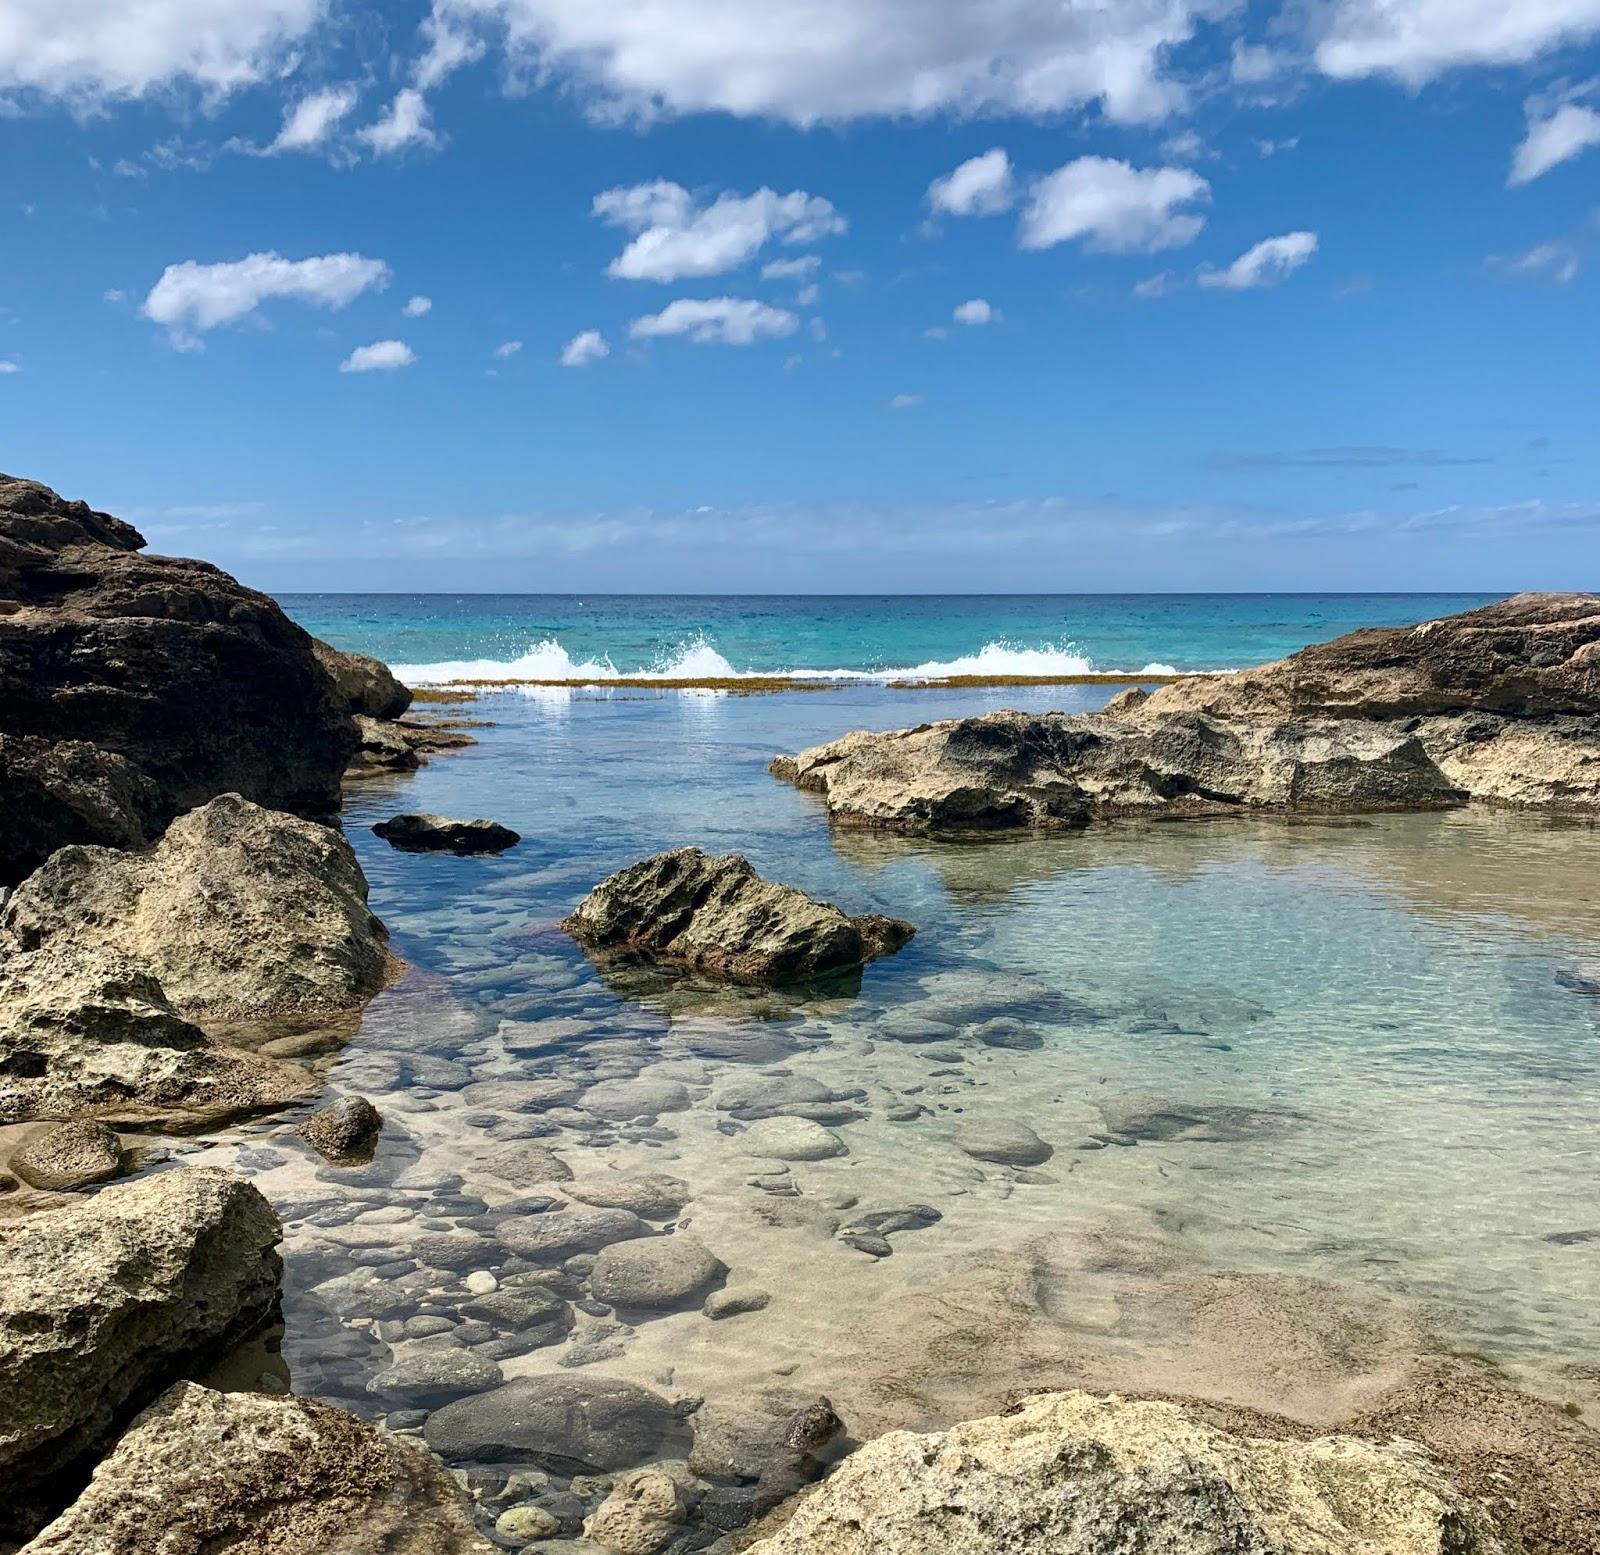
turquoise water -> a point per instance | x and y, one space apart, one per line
559 637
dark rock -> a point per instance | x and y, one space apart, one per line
70 1155
442 834
434 1374
361 683
654 1274
557 1235
345 1130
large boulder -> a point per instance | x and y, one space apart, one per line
201 1470
182 683
1071 1474
238 911
86 1030
105 1303
362 684
719 917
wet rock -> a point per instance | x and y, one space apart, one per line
70 1155
523 1165
1152 1119
653 1195
382 747
734 1303
719 917
434 1374
551 1237
1068 1474
522 1524
791 1139
201 1470
105 1302
1004 1032
1004 1141
623 1100
239 912
640 1516
566 1424
801 1096
530 1310
654 1274
444 834
345 1130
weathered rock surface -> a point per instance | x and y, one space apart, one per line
362 684
201 1471
654 1195
105 1303
716 915
1005 1142
442 834
88 1031
791 1139
70 1155
640 1516
558 1234
239 912
1067 1472
654 1273
136 687
345 1130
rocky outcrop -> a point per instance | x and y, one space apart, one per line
1066 1473
136 687
88 1031
105 1303
362 684
1500 705
201 1470
442 834
71 1155
238 912
719 917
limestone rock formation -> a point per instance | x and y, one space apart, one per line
362 684
239 912
717 916
442 834
136 687
105 1303
70 1155
1071 1474
201 1470
88 1031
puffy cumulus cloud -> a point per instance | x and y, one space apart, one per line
1418 40
1265 264
981 186
588 346
90 51
1553 138
811 61
1113 207
677 236
407 123
382 356
723 321
417 307
309 123
191 298
975 311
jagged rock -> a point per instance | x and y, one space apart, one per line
345 1130
106 1302
640 1516
168 681
1070 1474
362 684
654 1273
382 747
442 834
87 1031
201 1470
239 912
719 917
70 1155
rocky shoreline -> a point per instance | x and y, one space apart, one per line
186 934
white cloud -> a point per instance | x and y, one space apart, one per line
89 51
1557 262
416 307
507 349
1417 40
114 294
807 61
309 123
382 356
726 321
981 186
448 49
798 269
678 237
191 298
905 401
582 349
1267 263
1158 285
405 124
7 367
808 296
1556 138
1114 207
977 311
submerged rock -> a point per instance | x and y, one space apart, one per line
201 1470
1005 1142
640 1516
717 916
791 1139
105 1303
345 1130
239 912
443 834
71 1155
1070 1474
655 1273
136 687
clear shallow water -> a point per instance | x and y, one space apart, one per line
558 637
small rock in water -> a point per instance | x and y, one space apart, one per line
434 1375
640 1516
345 1130
1006 1032
655 1274
445 834
791 1139
481 1283
733 1303
70 1155
523 1524
1004 1141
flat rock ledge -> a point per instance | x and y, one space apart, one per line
717 916
1500 705
201 1470
105 1303
1072 1474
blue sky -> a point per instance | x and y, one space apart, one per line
1066 295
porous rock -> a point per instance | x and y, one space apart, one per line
70 1155
345 1130
640 1516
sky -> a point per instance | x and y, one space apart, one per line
812 295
